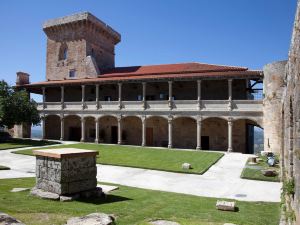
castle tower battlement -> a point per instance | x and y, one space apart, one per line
79 46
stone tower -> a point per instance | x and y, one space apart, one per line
274 84
79 46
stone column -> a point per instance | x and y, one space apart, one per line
62 128
62 96
44 97
230 124
199 94
43 127
170 142
199 123
97 130
83 96
230 94
144 95
120 95
170 101
97 96
119 130
82 129
143 131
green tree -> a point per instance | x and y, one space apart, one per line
16 107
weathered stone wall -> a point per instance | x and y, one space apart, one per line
132 130
52 127
66 175
184 133
71 122
105 128
274 84
160 130
22 131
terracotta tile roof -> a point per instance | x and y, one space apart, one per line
170 69
184 71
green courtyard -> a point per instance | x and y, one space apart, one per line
132 206
21 143
148 158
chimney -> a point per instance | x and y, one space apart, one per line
22 78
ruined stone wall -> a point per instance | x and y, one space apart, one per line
274 84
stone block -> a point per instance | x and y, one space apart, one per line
19 189
44 194
6 219
225 206
92 219
186 166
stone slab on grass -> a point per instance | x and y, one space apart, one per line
107 188
19 189
92 219
163 222
225 206
6 219
44 194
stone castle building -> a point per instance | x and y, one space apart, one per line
188 105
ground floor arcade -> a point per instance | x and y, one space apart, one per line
207 133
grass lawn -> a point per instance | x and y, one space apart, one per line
253 172
149 158
132 206
20 143
4 168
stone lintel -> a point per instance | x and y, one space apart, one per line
65 153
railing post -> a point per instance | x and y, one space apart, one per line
97 96
62 99
62 128
230 124
97 130
199 126
43 126
83 96
170 101
82 129
143 130
144 95
229 94
44 97
199 94
170 142
120 130
120 95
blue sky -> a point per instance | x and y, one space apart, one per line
247 33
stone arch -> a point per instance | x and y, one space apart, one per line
184 132
108 129
132 130
245 132
214 134
52 127
157 131
90 129
255 121
72 128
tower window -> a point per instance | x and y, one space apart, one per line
63 52
72 73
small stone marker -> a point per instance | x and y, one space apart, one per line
19 189
186 166
253 160
225 206
92 219
269 173
66 172
163 222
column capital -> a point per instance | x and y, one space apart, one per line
119 118
230 120
170 82
199 81
230 80
82 119
143 118
170 119
199 119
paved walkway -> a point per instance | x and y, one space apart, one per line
222 180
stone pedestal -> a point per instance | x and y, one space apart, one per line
66 171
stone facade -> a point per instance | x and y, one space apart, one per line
66 175
80 43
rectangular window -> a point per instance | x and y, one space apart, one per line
139 98
72 74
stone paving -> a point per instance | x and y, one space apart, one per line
222 180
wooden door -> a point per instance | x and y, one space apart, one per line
114 134
149 136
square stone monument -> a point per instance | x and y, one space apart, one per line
66 171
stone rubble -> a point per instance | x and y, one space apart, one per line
163 222
6 219
225 206
19 189
92 219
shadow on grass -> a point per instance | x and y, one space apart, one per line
104 199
